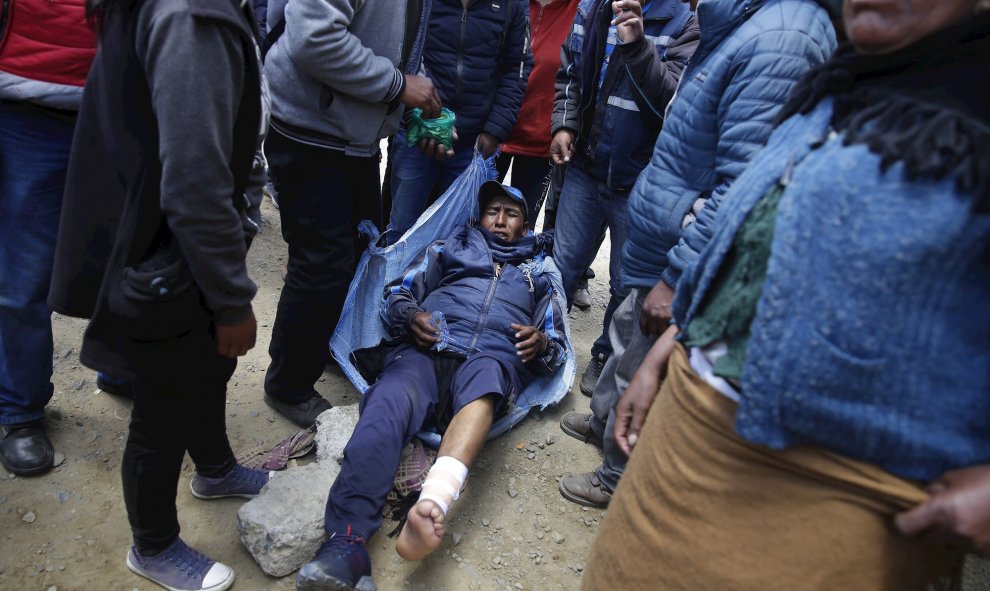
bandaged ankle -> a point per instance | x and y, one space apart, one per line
443 482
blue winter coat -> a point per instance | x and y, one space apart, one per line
479 59
616 126
751 54
458 277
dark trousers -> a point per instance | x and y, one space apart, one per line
393 410
171 416
531 175
322 196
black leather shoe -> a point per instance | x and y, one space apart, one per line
303 414
25 449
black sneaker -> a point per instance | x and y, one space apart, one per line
302 414
341 564
591 374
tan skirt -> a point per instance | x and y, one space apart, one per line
699 508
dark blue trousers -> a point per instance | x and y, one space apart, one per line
393 410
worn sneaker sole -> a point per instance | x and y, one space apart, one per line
221 586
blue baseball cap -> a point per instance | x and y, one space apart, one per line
490 189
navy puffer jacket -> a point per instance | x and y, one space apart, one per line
479 59
459 278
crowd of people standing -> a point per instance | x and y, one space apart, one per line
792 369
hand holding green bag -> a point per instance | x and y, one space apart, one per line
440 129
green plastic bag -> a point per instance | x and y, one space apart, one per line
440 129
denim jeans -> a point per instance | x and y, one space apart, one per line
415 175
531 176
585 204
34 156
322 195
629 348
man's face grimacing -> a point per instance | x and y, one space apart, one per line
504 217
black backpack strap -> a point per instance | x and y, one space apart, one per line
273 36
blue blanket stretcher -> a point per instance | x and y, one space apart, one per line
360 324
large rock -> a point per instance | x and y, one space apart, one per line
333 430
283 527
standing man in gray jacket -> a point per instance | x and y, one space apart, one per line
340 72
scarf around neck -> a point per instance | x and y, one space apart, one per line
926 105
515 252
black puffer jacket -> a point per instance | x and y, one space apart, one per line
479 58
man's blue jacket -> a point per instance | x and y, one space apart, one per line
482 285
617 124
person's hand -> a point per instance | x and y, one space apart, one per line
236 340
957 512
655 317
436 150
628 20
562 147
420 92
530 342
424 332
487 144
632 408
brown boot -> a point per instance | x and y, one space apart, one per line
578 425
585 489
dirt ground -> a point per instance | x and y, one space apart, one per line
512 530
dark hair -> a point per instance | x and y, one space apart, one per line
97 11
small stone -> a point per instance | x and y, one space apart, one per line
519 586
541 445
53 588
456 538
558 537
485 522
62 496
513 492
59 459
539 535
520 445
546 465
531 456
551 440
80 385
497 560
29 517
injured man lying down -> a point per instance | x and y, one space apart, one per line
470 321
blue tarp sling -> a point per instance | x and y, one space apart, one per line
360 324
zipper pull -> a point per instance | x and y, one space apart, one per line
464 16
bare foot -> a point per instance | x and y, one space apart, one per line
423 531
